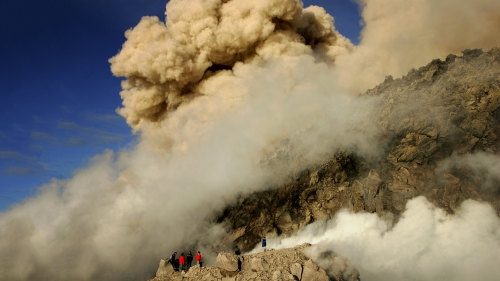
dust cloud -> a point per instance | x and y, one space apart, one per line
227 97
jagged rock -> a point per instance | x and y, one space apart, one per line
314 178
276 275
227 261
312 272
257 264
287 264
197 273
285 221
238 233
296 270
164 268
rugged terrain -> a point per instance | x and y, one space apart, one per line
286 264
438 127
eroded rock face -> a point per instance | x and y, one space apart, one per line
287 264
164 268
227 261
445 110
312 272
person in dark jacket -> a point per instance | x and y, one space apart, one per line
172 261
264 243
238 253
189 258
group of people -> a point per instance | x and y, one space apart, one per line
182 263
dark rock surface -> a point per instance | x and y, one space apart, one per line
440 113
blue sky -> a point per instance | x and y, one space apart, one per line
58 96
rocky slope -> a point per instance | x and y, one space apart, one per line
439 125
286 264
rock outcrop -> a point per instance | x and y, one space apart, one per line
430 122
164 268
228 262
287 264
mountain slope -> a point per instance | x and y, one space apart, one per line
439 128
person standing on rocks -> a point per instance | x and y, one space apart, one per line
181 262
264 243
189 260
172 261
198 258
238 253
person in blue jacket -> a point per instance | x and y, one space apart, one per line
264 243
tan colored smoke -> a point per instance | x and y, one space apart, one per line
400 35
165 64
229 96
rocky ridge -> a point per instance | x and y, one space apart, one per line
286 264
440 113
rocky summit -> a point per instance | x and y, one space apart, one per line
286 264
433 123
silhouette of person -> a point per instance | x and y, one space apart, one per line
189 258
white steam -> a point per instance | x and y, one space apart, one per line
228 97
425 244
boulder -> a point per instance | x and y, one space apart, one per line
296 270
277 275
227 261
257 264
164 268
312 272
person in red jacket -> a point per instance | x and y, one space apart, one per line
181 262
198 258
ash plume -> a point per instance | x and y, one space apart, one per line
228 97
217 94
400 35
167 63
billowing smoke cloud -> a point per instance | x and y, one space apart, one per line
115 219
400 35
168 63
425 244
228 97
